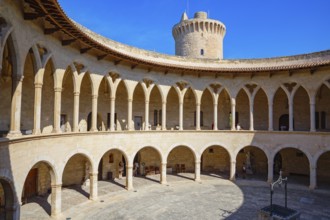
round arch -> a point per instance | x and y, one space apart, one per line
253 161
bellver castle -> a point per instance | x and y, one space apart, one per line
77 108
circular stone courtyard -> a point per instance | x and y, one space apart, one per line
182 198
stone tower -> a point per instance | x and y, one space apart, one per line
199 37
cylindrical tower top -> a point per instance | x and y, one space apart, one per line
200 15
199 37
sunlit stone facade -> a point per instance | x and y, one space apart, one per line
73 105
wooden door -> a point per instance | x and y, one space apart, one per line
30 185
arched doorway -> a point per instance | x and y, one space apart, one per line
242 110
112 169
281 110
260 115
215 161
206 116
255 162
147 164
172 113
7 200
76 180
283 123
181 163
294 165
301 110
37 188
67 106
323 174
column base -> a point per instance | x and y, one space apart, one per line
312 187
163 182
129 188
57 131
313 130
198 180
233 179
93 130
270 181
13 134
36 132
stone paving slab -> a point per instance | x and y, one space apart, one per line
182 198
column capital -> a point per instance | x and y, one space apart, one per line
58 89
93 173
164 102
198 104
164 164
94 96
146 102
76 93
130 99
129 166
112 98
38 85
197 162
56 185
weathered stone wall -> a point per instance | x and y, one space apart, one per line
224 111
181 155
260 111
322 105
85 103
111 165
76 171
5 104
215 159
301 109
243 109
323 165
47 100
172 110
207 109
44 179
27 114
258 159
121 107
149 157
67 101
294 162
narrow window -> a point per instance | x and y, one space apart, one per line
160 117
323 120
202 52
155 117
317 120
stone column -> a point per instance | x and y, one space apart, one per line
93 187
129 118
251 115
56 200
146 121
312 114
94 113
129 177
215 116
270 116
232 176
164 116
76 96
233 111
312 176
181 115
163 174
37 108
198 116
197 171
57 110
291 114
270 171
16 102
112 113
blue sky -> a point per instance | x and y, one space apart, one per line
255 28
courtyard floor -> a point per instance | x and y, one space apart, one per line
181 198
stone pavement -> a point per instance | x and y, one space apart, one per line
182 198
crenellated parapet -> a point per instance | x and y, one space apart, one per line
199 37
